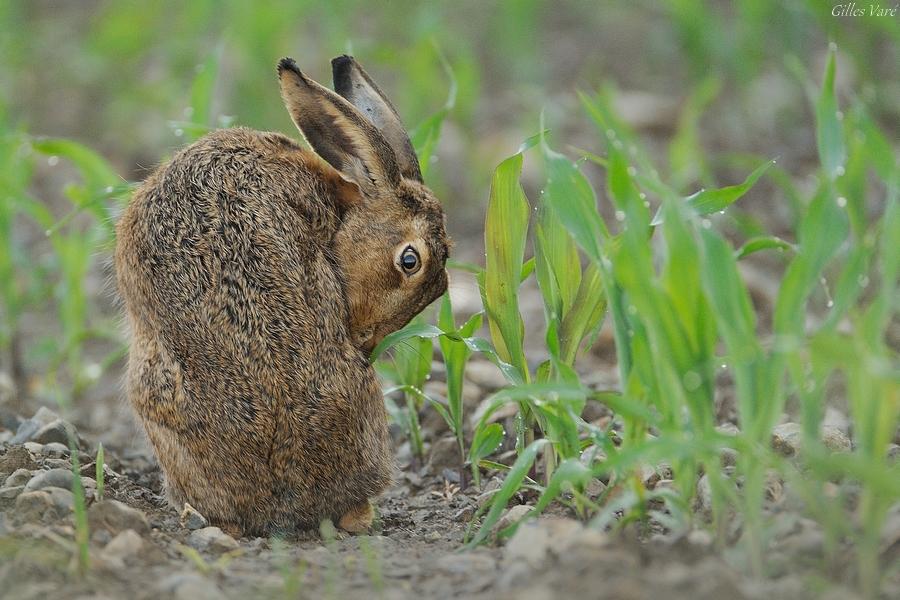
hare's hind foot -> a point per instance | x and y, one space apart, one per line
358 519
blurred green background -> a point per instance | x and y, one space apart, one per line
711 87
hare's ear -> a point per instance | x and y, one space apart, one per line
354 84
337 131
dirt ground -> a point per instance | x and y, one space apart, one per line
142 548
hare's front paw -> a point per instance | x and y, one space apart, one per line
358 519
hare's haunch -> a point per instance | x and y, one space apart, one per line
256 277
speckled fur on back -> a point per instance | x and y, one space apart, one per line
256 276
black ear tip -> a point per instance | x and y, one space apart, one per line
342 61
288 64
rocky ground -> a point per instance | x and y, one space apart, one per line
142 548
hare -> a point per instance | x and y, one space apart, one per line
256 277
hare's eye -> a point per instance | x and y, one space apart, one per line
409 260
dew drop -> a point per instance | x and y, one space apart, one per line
109 189
620 215
841 201
179 132
839 171
53 161
832 46
48 232
610 133
646 204
642 195
428 377
706 223
93 371
829 304
691 381
724 366
863 281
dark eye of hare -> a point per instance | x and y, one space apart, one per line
409 260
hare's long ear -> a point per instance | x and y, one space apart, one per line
354 84
338 132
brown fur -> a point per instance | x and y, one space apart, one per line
256 276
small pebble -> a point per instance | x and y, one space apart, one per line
61 478
512 515
19 477
700 537
54 432
11 491
444 454
34 448
116 517
126 544
55 450
31 506
191 518
212 539
189 586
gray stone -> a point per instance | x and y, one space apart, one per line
190 586
485 375
893 452
212 539
700 537
11 491
191 518
32 506
703 499
592 454
33 447
19 477
42 504
786 438
61 478
25 431
467 563
528 545
115 517
835 439
44 416
536 539
836 419
55 450
488 490
54 432
444 454
512 515
125 544
63 500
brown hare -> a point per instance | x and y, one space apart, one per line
256 277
